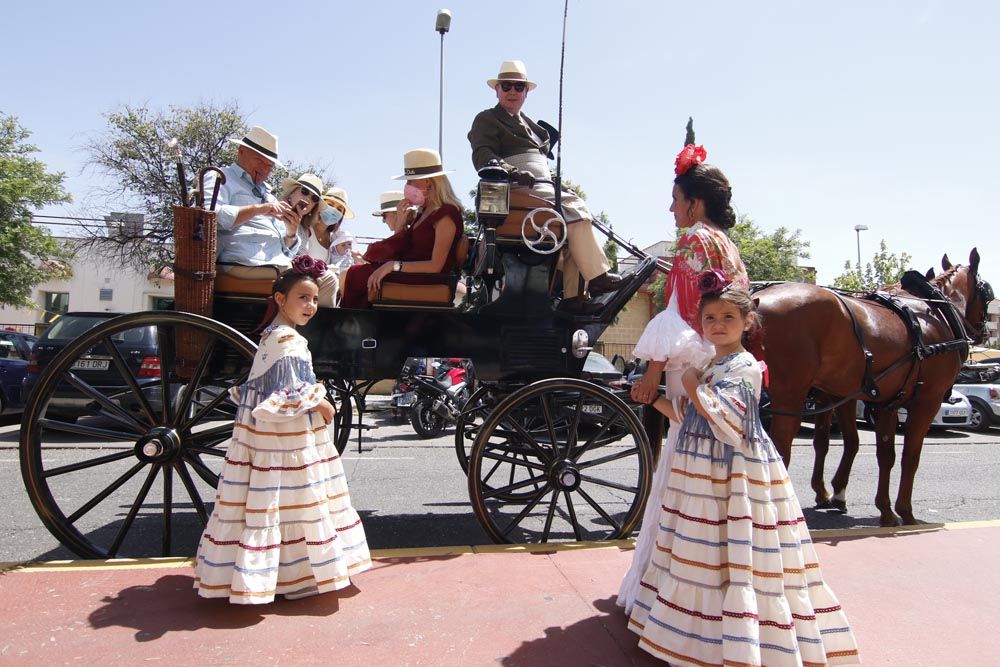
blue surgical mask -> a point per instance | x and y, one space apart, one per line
331 215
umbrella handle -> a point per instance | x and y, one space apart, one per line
219 180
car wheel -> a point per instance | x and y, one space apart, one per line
979 419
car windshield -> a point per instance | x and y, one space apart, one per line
69 327
597 363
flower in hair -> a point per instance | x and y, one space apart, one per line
712 281
689 156
308 266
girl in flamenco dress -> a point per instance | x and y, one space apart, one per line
283 523
672 341
734 578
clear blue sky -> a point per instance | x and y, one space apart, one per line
823 115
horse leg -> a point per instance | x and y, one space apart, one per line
821 446
885 452
918 421
847 418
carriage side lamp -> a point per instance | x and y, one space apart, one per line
492 196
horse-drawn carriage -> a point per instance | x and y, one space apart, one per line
549 456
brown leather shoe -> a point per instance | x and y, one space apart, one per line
604 283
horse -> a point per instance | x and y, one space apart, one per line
849 348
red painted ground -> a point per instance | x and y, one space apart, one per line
928 598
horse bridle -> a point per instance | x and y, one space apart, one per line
985 292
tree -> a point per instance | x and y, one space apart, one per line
771 256
28 254
142 172
884 269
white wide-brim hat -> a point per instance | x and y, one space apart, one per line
339 195
310 182
514 72
262 142
388 201
421 163
342 236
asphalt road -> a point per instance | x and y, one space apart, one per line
411 492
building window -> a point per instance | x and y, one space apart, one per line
54 304
161 303
107 294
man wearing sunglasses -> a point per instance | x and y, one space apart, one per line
523 147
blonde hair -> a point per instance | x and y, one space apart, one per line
442 193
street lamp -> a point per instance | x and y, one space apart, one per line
442 25
858 229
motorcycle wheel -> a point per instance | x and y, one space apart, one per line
425 421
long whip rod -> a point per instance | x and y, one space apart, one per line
562 70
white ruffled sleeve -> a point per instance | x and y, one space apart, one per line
669 338
289 383
729 397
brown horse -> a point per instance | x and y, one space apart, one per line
810 341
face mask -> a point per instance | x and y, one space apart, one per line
414 195
331 216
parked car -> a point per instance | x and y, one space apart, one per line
955 411
15 348
980 383
599 370
137 347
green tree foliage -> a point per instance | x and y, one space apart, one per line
28 254
771 256
886 268
142 172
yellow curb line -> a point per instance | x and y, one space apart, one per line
432 552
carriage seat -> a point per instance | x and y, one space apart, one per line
440 293
522 203
226 283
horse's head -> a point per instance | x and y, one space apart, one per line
970 294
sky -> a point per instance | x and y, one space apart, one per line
823 115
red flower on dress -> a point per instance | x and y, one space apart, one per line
689 156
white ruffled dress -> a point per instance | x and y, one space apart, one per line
734 578
283 522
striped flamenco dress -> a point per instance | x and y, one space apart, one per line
734 579
283 521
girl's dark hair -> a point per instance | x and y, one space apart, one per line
743 302
709 184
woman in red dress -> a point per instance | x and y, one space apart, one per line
420 252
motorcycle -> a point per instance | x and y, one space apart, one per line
439 398
404 396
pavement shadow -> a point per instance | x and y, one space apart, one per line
400 531
172 605
602 639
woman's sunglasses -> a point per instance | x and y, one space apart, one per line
519 87
309 193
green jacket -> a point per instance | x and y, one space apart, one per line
497 134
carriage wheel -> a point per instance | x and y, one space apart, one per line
129 473
339 394
585 465
469 421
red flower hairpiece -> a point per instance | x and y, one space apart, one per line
308 266
689 156
712 281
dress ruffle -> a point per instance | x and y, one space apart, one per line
669 338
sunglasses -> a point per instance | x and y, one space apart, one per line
309 193
519 87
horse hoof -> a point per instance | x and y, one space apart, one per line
839 505
823 504
910 521
889 522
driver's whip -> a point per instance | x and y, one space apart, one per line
562 68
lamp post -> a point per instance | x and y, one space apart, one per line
858 229
442 25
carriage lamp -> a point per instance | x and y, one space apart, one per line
492 195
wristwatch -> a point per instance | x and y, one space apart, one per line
397 266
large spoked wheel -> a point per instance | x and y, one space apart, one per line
470 420
338 391
579 454
108 447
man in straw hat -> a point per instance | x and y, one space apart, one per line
259 233
388 201
521 145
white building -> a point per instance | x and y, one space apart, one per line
96 285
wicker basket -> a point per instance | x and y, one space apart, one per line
194 279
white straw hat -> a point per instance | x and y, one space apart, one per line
339 195
421 163
310 182
512 71
262 142
388 201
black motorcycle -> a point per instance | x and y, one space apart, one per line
439 398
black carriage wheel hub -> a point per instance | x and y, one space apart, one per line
159 445
565 475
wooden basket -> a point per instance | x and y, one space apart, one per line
194 280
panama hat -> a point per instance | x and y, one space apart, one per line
310 182
339 195
260 141
421 163
388 201
513 71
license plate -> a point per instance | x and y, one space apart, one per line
406 400
593 409
91 365
961 412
